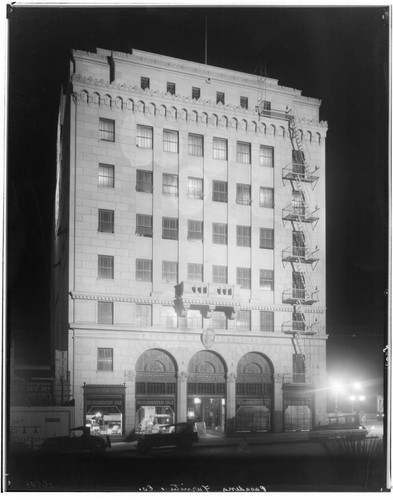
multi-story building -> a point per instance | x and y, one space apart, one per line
189 261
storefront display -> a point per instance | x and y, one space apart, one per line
104 409
151 414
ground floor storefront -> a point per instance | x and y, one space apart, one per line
250 399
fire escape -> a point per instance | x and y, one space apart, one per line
302 255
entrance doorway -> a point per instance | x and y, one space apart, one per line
209 411
206 387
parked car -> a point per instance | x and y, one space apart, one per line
343 425
80 441
181 435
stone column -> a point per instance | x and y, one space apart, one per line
129 410
231 403
181 406
278 418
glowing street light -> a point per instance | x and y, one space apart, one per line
357 386
337 387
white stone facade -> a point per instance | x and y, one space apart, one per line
107 86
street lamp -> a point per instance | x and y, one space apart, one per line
352 398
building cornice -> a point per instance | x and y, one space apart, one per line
117 95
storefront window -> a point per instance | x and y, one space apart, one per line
152 415
104 409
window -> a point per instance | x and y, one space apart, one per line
266 238
220 274
171 141
169 272
298 285
169 228
298 207
104 359
144 181
243 277
145 82
243 194
266 156
195 188
266 279
220 97
195 145
298 161
196 93
243 320
105 266
298 322
243 152
267 106
106 175
220 233
171 88
168 317
266 321
220 148
195 230
144 137
143 314
194 319
107 130
144 225
170 184
219 320
106 221
195 272
244 102
298 244
243 236
105 313
266 197
220 191
298 368
143 269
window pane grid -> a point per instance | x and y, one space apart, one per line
220 97
243 320
144 137
220 274
243 194
143 314
169 317
144 225
169 228
266 238
171 88
220 148
104 359
194 319
144 181
243 152
220 233
195 230
195 188
106 221
169 272
266 158
107 130
171 141
266 279
105 266
244 277
196 92
243 236
105 313
170 184
195 145
195 272
219 320
143 270
266 197
145 82
220 191
267 321
106 175
244 102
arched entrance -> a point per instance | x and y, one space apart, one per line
254 393
155 390
206 390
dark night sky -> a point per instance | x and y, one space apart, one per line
336 54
